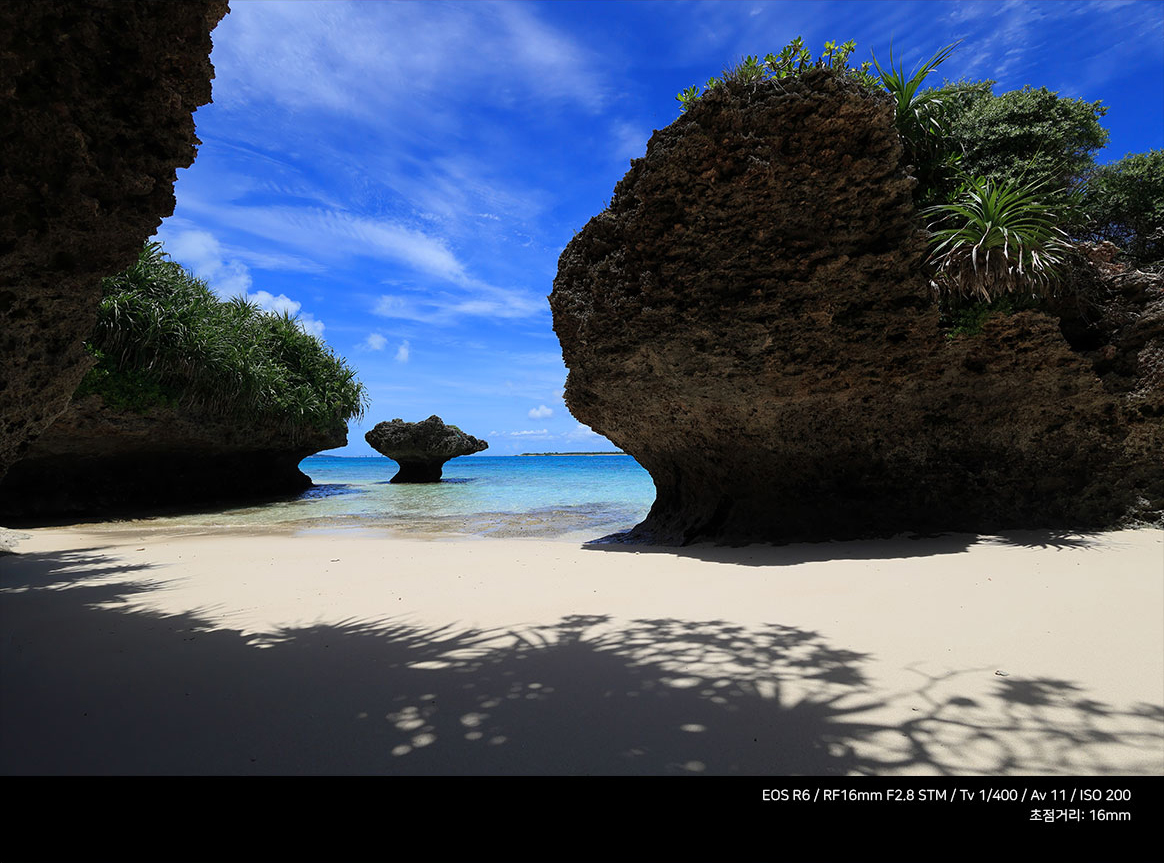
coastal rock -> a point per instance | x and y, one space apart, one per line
97 461
749 321
96 105
422 448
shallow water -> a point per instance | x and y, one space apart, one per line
499 496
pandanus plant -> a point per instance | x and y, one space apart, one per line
158 324
921 119
996 238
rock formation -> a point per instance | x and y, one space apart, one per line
749 321
96 461
96 104
422 448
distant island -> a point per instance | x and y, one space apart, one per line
620 452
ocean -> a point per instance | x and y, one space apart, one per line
489 496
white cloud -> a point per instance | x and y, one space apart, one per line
325 232
281 304
201 253
310 325
375 342
530 432
630 141
541 412
1011 29
581 432
402 352
274 261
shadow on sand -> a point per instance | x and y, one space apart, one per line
91 686
898 547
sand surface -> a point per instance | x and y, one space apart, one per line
127 650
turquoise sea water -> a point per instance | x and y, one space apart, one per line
508 496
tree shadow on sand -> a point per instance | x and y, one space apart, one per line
889 548
92 686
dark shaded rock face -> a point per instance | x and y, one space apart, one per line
96 104
748 321
422 448
95 461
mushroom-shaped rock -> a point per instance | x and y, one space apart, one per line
748 320
421 449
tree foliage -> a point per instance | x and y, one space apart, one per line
1125 204
1004 188
163 338
1024 135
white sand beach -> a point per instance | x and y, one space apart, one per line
135 651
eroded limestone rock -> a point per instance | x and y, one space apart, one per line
97 461
421 449
748 320
96 105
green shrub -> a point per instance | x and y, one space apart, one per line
792 60
961 317
1124 202
126 389
1025 135
163 338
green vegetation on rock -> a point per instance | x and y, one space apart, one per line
995 238
922 120
998 176
1124 202
163 339
126 389
1028 135
794 59
968 318
1007 183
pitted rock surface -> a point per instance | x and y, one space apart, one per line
97 461
749 321
96 105
421 449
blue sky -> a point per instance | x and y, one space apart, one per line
403 176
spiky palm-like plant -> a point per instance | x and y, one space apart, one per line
162 337
920 117
996 238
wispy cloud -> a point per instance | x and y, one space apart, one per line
310 325
375 342
327 233
365 59
446 307
629 140
403 352
541 412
